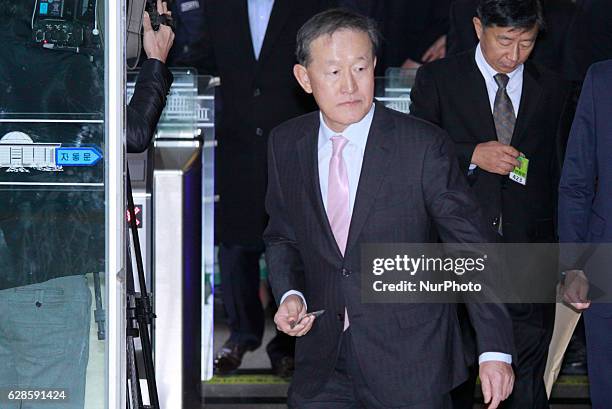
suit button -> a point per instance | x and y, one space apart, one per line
340 317
259 132
345 272
257 92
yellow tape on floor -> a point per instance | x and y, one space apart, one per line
247 379
571 380
264 379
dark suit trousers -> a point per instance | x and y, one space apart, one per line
532 326
346 388
239 268
598 326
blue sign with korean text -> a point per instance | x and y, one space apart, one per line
85 156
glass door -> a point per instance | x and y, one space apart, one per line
61 201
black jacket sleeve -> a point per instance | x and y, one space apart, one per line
147 104
283 258
425 104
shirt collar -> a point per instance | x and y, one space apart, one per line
258 2
489 72
356 133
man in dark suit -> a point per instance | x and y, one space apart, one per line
495 105
585 216
188 18
550 47
250 45
353 173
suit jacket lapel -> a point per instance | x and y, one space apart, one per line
307 147
530 99
280 13
378 151
480 109
240 14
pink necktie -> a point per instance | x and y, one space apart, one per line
338 212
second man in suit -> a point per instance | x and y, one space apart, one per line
585 216
497 105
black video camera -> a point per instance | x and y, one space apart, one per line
156 18
65 24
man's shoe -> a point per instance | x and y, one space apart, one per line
574 368
575 360
283 367
229 358
575 363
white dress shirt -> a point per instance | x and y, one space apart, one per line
357 135
515 83
259 17
514 87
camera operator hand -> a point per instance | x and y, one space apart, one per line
152 86
157 44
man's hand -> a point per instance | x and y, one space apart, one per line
495 157
157 44
436 51
288 313
575 289
497 381
410 64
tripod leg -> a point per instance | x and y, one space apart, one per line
99 313
133 378
147 353
143 312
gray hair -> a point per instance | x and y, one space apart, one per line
327 23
